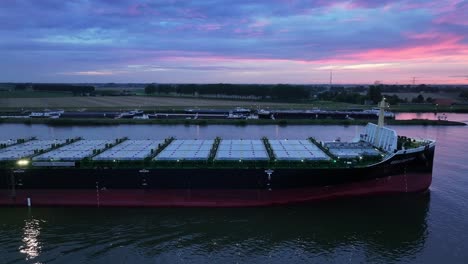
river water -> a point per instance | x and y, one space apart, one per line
421 228
433 116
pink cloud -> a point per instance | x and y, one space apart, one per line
424 36
458 16
210 58
448 48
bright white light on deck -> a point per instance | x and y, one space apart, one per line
22 162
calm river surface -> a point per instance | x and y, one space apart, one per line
422 228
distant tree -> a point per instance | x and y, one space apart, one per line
284 91
419 99
374 93
344 96
429 100
75 89
150 89
21 87
393 99
464 95
165 88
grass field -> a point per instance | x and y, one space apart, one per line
46 100
32 100
124 102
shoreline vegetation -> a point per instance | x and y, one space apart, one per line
281 122
16 97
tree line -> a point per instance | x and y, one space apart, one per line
277 91
373 96
355 95
75 89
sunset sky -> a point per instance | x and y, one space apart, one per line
234 41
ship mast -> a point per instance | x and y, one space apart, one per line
382 105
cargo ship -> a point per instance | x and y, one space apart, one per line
211 173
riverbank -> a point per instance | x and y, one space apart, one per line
153 104
243 122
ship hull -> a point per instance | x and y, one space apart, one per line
214 198
204 187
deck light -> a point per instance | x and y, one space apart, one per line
22 162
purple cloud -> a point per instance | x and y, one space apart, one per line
106 36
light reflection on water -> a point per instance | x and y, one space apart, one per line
31 246
433 116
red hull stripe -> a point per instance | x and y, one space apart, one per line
213 198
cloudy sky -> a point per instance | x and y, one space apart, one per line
234 41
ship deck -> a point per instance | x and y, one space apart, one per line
178 153
375 145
